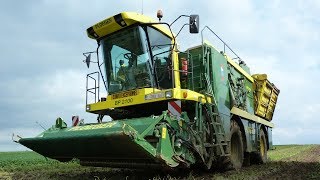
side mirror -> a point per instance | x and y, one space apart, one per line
194 24
88 59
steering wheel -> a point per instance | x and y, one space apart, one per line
128 55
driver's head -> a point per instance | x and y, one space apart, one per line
121 62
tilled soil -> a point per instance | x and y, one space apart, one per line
311 155
304 164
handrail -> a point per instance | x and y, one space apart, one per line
224 43
96 87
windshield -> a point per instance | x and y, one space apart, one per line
128 63
127 60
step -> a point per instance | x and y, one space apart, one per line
208 145
220 144
220 133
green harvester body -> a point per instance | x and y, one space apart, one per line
215 92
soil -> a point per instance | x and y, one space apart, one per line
304 164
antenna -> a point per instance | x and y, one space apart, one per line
141 6
40 125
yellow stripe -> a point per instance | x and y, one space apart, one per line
140 98
237 67
247 115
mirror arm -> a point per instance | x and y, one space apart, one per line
181 29
88 53
178 18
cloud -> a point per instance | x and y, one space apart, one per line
29 101
45 97
296 135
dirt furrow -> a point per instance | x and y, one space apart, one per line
309 155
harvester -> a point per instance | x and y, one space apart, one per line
168 108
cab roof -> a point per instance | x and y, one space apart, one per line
121 21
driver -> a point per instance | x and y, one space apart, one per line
131 74
126 75
121 75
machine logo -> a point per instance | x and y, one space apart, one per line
125 94
222 72
94 126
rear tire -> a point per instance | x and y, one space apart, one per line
261 156
236 146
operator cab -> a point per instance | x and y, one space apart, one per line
137 57
141 66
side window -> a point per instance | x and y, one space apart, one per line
160 47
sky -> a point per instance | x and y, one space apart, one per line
43 76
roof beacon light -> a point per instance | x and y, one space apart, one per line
159 14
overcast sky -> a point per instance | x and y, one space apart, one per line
43 76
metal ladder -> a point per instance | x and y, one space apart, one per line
221 143
220 139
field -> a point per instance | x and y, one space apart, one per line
285 162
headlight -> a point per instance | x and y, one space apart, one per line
88 107
168 94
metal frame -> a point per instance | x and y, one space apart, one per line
224 43
94 90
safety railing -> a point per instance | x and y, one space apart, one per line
225 45
93 86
